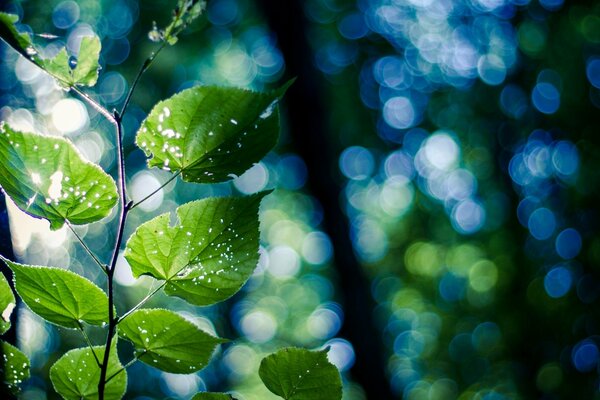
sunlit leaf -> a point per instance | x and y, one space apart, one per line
300 374
212 396
60 296
7 304
14 367
80 71
211 134
76 375
19 41
207 256
167 341
47 178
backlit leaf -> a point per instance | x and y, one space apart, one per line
300 374
167 341
80 71
60 296
76 375
47 177
14 367
207 256
19 41
211 134
7 304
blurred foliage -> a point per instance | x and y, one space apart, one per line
466 135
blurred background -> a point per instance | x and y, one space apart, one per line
436 214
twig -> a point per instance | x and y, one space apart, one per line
89 343
147 63
172 178
129 364
87 249
142 302
86 97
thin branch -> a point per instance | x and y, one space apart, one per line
89 343
171 179
142 302
87 98
87 249
112 319
129 364
147 63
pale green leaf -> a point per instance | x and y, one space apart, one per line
207 256
76 375
19 41
14 367
212 396
7 304
86 69
167 341
60 296
47 177
211 134
300 374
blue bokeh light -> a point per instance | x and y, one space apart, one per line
65 14
585 355
565 158
452 287
357 163
513 101
568 243
353 26
551 5
546 98
399 112
593 72
541 223
468 216
558 282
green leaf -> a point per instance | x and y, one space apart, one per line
86 69
21 42
185 12
47 178
212 396
14 367
211 134
76 375
7 304
84 73
60 296
167 341
208 256
299 374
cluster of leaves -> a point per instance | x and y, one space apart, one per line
203 134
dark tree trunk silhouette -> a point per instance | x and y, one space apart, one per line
310 138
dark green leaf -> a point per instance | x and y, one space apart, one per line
60 296
7 304
47 178
76 375
300 374
211 134
21 42
14 367
86 70
208 256
167 341
212 396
